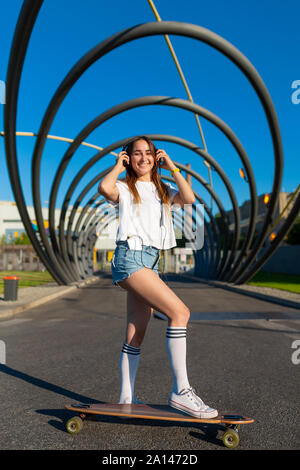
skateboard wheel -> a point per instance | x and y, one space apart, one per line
230 439
74 425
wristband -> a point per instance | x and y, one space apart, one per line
173 171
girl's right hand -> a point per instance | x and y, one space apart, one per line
122 157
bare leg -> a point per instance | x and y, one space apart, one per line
145 285
138 316
152 291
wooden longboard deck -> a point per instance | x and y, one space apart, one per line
160 412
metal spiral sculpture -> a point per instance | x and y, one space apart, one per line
67 255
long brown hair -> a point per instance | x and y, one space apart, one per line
131 176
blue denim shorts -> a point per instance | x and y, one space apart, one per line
126 261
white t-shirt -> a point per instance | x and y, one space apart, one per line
148 220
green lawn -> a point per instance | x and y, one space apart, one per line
290 282
27 278
281 281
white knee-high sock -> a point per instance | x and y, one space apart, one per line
176 347
129 361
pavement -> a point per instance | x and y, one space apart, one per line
241 359
30 297
270 294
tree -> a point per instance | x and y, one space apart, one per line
23 239
3 240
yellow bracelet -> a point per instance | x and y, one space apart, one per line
173 171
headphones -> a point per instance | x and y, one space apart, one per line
124 149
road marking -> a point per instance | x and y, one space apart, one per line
14 321
2 352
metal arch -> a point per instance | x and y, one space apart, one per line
73 185
101 216
77 202
177 222
73 243
166 28
92 228
226 182
220 207
35 165
153 137
140 102
26 21
91 200
275 243
73 237
102 153
160 100
86 226
27 17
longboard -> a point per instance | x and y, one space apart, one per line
232 422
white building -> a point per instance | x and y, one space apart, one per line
11 226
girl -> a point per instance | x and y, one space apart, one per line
144 211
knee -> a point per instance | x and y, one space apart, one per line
186 314
182 316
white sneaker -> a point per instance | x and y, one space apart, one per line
188 402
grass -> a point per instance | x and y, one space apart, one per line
27 278
289 282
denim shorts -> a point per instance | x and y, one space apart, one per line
126 261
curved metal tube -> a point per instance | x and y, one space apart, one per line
58 256
142 102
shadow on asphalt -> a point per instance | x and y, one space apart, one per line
47 385
208 432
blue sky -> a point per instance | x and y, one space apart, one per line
267 32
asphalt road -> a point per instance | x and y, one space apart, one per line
239 360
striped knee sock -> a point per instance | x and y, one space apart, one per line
129 361
176 347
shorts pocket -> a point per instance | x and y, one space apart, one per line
120 254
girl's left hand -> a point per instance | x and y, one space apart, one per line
167 164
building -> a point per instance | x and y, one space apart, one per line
284 198
11 225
